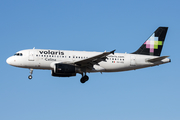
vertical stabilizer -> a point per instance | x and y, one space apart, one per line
154 44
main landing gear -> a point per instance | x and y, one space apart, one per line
30 76
84 78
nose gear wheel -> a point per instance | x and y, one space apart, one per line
30 76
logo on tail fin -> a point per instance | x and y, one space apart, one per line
153 43
153 46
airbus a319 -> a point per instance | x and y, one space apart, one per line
63 63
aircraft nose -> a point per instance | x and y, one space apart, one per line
9 61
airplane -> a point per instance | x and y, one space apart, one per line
64 63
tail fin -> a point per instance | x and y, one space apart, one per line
154 44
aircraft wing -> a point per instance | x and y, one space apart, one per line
157 59
89 62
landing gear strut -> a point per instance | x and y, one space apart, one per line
30 76
84 78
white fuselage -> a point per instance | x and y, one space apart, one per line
46 59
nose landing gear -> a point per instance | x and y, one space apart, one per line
30 76
84 78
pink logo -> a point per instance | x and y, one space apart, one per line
152 43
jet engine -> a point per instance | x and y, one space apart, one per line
63 70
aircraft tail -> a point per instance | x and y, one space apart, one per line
154 44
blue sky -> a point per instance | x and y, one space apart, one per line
96 25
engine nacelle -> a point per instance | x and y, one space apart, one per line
63 70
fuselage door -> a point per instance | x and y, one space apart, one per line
31 55
133 61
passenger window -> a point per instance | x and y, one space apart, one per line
18 54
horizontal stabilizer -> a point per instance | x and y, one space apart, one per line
157 59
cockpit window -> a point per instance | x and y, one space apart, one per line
18 54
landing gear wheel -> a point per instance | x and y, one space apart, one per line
84 79
30 77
